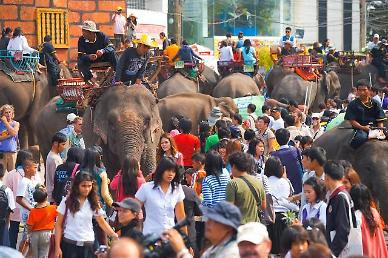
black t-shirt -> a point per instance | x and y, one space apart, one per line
86 47
61 176
4 43
131 66
365 114
131 232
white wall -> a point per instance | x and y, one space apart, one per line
335 23
356 26
306 17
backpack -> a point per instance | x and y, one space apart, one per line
4 208
69 181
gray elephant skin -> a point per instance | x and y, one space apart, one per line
292 87
370 160
195 106
236 85
28 99
125 122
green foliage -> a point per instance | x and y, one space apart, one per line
289 217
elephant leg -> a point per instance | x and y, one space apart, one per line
23 136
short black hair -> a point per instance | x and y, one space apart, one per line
252 107
318 154
39 195
282 136
59 138
22 156
252 145
220 123
265 108
363 82
228 35
173 41
223 132
334 170
318 186
293 103
273 167
198 157
185 124
2 171
288 28
265 119
184 42
47 38
292 234
249 134
306 140
238 118
240 160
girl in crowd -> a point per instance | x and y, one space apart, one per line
248 53
256 149
92 164
373 243
214 184
280 189
315 207
316 231
128 180
232 146
220 147
294 241
167 148
162 198
74 235
203 132
351 178
18 42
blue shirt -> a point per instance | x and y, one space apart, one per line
213 189
249 58
9 144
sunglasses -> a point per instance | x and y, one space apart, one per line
287 31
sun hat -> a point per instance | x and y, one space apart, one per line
376 36
70 117
119 8
146 40
316 115
129 204
89 26
224 213
214 116
253 232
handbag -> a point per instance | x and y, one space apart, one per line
267 216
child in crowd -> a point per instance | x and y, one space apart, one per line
314 191
7 205
198 160
40 223
294 241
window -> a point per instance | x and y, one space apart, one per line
136 4
53 22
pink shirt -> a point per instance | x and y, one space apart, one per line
120 194
12 181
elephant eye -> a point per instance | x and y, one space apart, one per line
146 121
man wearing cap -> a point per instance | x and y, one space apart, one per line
93 47
222 222
119 23
363 112
374 43
253 240
128 211
73 131
278 120
316 130
132 63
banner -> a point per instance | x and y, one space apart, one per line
243 102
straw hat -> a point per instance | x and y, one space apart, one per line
146 40
119 8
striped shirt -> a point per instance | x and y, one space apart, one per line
213 189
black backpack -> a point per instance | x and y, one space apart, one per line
4 208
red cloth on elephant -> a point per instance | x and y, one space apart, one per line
187 144
116 185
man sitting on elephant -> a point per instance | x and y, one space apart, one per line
133 62
93 46
363 112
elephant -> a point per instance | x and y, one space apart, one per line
28 98
125 122
369 160
195 106
180 84
360 72
236 85
292 87
275 75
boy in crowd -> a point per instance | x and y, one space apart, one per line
198 160
7 204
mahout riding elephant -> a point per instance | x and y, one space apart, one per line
369 160
292 87
195 106
180 84
125 122
367 71
236 85
28 98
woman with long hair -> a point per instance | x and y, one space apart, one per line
18 42
74 235
373 243
128 180
214 184
167 148
248 53
162 198
256 149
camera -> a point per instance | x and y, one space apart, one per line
156 247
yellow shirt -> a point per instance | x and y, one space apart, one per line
171 52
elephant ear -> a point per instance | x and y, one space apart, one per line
332 84
100 126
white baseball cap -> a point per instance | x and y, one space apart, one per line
253 232
316 115
70 117
376 36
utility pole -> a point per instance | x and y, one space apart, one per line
362 23
178 21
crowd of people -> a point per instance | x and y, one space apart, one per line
254 187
